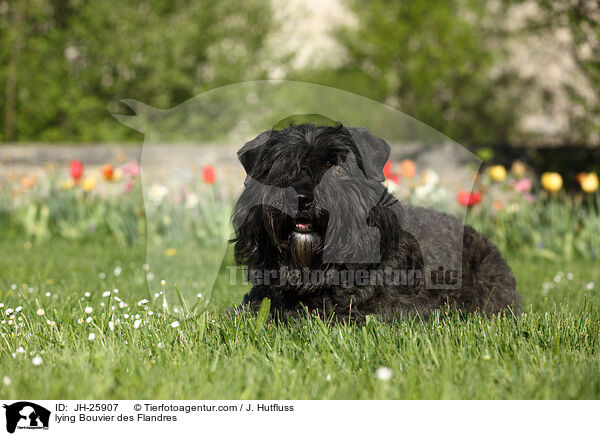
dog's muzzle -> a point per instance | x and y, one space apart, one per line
304 242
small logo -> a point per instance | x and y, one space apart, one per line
26 415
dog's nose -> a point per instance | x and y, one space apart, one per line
304 200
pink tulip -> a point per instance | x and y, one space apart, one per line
131 169
523 186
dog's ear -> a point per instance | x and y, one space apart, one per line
249 153
374 151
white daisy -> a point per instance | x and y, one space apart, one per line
383 373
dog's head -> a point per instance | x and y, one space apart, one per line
310 190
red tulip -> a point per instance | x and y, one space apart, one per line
469 199
394 178
387 169
209 174
76 169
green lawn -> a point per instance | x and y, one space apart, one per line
552 351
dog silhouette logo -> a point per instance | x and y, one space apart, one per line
26 415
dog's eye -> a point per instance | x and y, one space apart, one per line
330 162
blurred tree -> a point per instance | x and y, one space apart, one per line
66 63
439 61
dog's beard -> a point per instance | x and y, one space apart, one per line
304 247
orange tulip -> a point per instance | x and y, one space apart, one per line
27 182
408 168
108 172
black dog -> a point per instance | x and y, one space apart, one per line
319 231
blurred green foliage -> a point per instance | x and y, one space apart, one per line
66 63
437 61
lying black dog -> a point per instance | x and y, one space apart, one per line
318 230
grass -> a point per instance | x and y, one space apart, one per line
552 351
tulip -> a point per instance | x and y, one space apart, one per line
497 173
394 178
518 168
468 199
387 169
76 170
117 175
67 184
552 182
408 168
209 174
27 182
108 172
523 186
89 184
132 169
589 183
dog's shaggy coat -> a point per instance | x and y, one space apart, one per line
310 193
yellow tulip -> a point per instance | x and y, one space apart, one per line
67 184
89 184
552 182
518 168
117 174
589 182
497 173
